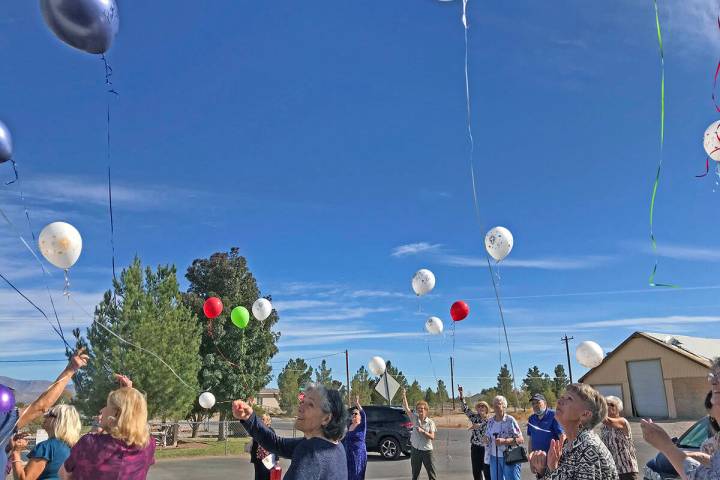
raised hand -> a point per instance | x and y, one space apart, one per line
123 380
655 435
554 454
538 462
78 360
241 410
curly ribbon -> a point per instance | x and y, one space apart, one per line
717 71
111 92
651 280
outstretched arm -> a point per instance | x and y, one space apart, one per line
263 435
405 404
48 398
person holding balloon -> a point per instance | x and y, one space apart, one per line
421 438
319 454
124 449
354 443
478 443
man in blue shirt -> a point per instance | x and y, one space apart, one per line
11 419
542 425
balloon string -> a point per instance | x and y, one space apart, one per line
715 79
111 93
217 348
707 168
62 337
22 198
651 280
42 267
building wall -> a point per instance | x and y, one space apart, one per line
675 366
690 396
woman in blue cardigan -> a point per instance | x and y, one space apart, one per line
322 418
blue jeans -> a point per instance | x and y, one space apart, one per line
499 470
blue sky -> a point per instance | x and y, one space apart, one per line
320 139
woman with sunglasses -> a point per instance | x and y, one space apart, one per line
354 443
62 424
690 468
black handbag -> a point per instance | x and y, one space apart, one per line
515 454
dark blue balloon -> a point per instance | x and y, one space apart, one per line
7 399
88 25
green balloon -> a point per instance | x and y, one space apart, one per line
240 317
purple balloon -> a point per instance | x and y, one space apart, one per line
7 399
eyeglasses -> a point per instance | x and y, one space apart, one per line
355 413
49 415
713 377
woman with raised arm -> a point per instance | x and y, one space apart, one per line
318 455
354 443
421 438
617 437
478 426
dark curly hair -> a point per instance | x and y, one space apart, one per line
331 403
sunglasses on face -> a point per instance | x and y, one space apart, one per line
355 413
713 377
49 415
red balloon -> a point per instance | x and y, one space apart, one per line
213 307
459 310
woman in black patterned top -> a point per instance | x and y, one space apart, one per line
584 456
479 420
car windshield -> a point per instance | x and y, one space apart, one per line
694 437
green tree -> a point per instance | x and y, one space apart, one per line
414 393
323 376
536 381
561 381
430 397
360 385
294 376
504 382
235 362
442 395
146 310
398 375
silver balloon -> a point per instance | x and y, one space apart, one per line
5 143
89 25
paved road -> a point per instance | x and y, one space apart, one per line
452 460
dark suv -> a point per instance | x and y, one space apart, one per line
388 431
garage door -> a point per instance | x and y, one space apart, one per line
647 388
610 390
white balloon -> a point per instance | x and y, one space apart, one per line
589 354
434 326
711 141
377 366
423 282
262 308
61 244
206 400
499 243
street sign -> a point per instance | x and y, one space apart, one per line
387 387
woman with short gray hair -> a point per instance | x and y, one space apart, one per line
584 456
502 432
322 418
617 437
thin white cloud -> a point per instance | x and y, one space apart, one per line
687 252
546 263
378 294
691 24
288 305
640 322
345 313
415 249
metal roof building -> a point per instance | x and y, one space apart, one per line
657 375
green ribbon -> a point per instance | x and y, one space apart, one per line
651 281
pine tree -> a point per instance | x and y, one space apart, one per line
146 310
561 381
504 382
360 385
292 379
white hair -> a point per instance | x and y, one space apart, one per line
502 399
612 399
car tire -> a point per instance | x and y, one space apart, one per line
389 448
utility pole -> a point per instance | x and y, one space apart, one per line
347 376
567 339
452 381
